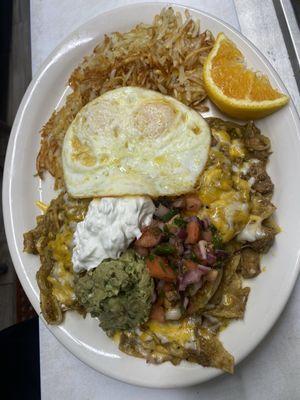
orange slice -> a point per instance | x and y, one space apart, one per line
238 92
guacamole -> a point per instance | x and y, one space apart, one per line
118 292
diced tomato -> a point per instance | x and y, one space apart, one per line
150 238
157 313
159 268
189 264
193 232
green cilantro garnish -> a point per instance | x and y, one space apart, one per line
151 257
216 238
172 265
180 222
163 267
193 257
164 249
217 241
170 214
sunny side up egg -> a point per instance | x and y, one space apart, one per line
132 141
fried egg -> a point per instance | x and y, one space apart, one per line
133 141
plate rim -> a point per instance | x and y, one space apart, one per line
61 334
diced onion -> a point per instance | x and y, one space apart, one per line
202 247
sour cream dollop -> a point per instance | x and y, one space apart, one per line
108 228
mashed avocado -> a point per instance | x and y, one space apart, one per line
118 292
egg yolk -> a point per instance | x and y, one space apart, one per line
153 119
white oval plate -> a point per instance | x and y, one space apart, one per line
269 292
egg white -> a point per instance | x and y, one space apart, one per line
133 141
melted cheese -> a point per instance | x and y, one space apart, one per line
229 214
181 332
222 190
252 231
214 182
61 277
237 149
221 136
243 187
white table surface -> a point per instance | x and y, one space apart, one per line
271 372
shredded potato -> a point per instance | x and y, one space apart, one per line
167 56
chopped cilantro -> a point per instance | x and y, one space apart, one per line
151 257
172 265
216 238
164 249
213 229
166 232
217 241
180 222
166 229
170 214
193 257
